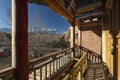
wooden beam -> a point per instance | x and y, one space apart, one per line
92 23
90 14
60 8
88 8
62 2
109 4
55 5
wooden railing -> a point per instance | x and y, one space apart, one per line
48 66
92 56
96 58
58 65
7 74
108 75
78 70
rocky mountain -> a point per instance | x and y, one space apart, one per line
67 35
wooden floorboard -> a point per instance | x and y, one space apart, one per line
95 71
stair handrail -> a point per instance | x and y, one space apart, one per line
107 72
78 69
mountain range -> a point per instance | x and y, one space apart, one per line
50 31
7 30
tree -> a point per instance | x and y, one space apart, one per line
36 39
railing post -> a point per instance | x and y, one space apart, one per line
20 39
79 75
79 36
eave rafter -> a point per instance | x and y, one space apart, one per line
59 8
90 14
88 8
91 23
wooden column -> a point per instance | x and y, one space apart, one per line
79 32
72 38
117 30
104 38
20 39
104 53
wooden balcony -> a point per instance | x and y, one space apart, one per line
61 65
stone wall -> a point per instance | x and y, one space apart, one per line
91 38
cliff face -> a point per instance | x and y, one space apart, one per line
67 35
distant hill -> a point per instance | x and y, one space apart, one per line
5 39
38 41
7 30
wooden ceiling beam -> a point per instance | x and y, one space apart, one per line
92 23
88 8
87 15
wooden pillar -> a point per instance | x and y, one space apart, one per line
20 39
72 38
104 53
104 39
79 32
117 30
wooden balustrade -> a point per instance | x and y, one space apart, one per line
7 73
78 69
48 66
58 65
108 75
92 56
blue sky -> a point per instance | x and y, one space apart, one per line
46 16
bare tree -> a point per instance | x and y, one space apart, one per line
36 39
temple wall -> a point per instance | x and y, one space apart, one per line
91 38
